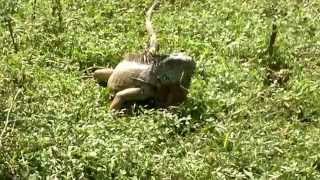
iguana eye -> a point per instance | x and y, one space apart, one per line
165 78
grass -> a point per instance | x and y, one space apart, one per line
249 115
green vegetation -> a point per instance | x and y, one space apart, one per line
251 113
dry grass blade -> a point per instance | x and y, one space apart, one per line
8 116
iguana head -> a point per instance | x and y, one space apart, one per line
102 75
177 68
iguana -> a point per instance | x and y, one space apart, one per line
164 78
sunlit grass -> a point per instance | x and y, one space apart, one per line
244 117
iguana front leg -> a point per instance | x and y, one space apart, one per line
130 94
171 95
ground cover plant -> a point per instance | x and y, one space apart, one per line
252 113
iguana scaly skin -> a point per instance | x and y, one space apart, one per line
164 78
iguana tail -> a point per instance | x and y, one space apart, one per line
153 44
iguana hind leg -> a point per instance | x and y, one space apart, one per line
130 94
102 75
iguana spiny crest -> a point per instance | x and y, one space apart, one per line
164 78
